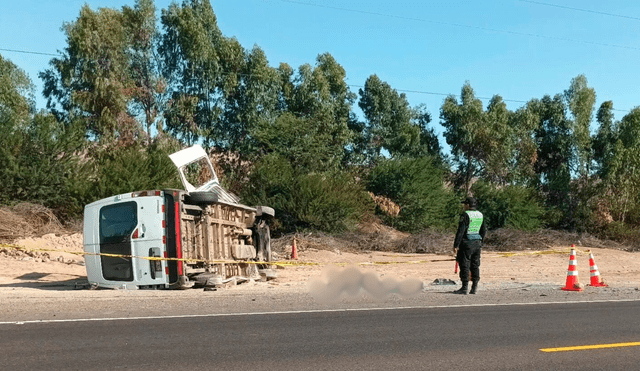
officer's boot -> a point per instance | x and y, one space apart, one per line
464 290
474 287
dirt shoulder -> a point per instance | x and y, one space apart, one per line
61 266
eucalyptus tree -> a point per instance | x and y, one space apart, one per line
17 98
144 63
388 118
524 123
554 142
429 145
605 139
495 144
17 104
624 170
91 81
581 102
320 96
253 106
201 67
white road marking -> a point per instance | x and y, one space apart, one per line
43 321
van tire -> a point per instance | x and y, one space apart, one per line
262 240
201 198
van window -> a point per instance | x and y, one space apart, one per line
117 222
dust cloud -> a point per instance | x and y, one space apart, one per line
335 283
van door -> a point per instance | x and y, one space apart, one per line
117 223
147 241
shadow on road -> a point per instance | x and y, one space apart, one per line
49 281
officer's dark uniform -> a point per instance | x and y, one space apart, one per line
468 241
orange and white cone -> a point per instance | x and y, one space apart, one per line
596 280
572 274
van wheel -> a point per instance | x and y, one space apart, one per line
201 198
262 241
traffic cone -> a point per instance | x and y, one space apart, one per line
294 251
596 280
572 274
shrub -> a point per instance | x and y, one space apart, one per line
512 206
126 169
622 233
417 186
329 201
39 162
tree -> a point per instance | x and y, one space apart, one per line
388 119
144 64
429 144
605 139
321 97
17 100
201 68
524 123
473 135
554 142
16 108
391 125
253 106
580 101
623 176
91 80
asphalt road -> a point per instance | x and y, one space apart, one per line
479 337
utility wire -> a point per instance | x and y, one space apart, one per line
350 85
580 10
461 25
29 52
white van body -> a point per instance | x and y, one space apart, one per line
175 238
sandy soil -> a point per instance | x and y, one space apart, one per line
62 269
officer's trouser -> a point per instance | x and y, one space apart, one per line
469 260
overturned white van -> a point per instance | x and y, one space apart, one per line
174 238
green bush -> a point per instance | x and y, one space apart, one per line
127 169
38 163
329 201
417 186
510 206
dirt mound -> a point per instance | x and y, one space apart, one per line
49 247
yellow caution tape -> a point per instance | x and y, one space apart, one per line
279 263
541 252
157 258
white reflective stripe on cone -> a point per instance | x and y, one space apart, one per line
573 262
572 273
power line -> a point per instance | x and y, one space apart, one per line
580 10
350 85
29 52
461 25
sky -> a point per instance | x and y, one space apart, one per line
518 49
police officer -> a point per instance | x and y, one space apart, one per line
468 245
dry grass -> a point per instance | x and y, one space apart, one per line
438 242
28 220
